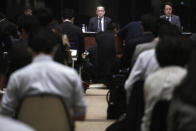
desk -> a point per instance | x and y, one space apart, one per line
89 39
186 35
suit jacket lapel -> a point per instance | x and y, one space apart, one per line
96 22
105 23
172 19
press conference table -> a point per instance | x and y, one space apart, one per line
89 39
186 34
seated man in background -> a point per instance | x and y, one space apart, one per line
148 23
172 54
130 31
173 19
146 62
44 75
101 62
18 54
73 32
99 23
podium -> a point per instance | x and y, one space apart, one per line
89 39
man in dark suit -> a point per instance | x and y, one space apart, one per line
99 22
173 19
106 52
73 32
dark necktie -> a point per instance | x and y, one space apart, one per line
99 25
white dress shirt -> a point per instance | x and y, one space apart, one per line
160 85
168 17
145 64
44 75
8 124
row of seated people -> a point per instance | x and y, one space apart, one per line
18 55
30 68
144 32
67 29
100 38
162 65
67 34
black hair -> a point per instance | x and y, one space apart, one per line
44 15
148 22
28 23
27 7
112 26
42 41
168 3
173 51
160 22
68 13
168 29
7 29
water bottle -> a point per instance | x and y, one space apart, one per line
83 28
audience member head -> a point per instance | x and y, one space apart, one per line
169 30
172 51
8 30
168 8
56 29
44 15
53 25
26 25
112 26
159 23
43 41
148 22
28 10
100 11
68 14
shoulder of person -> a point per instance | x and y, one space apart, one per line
93 18
162 16
174 15
108 18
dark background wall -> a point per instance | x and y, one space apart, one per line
122 11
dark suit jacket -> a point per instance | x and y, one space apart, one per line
130 31
105 53
174 20
93 23
75 37
130 48
18 56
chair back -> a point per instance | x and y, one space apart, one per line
45 113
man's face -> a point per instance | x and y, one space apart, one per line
168 10
100 11
28 12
